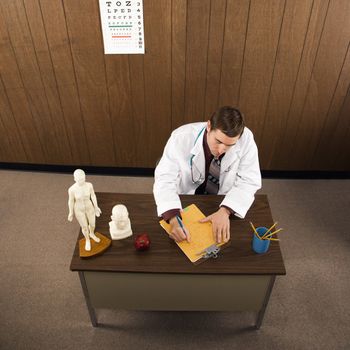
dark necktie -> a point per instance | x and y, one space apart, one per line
213 181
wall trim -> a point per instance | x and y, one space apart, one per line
148 172
69 169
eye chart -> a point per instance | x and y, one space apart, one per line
122 26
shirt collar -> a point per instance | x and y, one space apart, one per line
206 148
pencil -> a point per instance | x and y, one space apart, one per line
272 239
256 233
273 233
266 233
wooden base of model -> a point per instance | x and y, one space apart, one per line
96 248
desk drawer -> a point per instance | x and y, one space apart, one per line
180 292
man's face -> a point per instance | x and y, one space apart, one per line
218 142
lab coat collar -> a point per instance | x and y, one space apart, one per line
198 145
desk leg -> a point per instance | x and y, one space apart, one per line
87 299
261 313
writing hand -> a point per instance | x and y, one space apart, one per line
177 233
220 224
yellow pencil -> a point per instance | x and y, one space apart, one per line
272 239
266 233
256 233
273 233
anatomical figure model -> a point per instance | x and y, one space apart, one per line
82 201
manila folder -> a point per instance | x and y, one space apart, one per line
201 233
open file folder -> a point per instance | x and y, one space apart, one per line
202 239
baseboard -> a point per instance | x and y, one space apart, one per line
94 170
305 174
148 172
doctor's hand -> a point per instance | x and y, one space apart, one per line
177 233
220 224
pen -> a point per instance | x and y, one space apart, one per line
181 225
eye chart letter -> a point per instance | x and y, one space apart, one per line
122 26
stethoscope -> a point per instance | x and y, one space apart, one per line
201 177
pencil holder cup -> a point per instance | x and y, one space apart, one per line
260 245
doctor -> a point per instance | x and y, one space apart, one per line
216 157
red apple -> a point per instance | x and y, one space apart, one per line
142 242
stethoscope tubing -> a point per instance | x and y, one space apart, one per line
191 159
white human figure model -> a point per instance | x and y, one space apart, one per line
82 200
120 226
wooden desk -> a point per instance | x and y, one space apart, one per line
162 278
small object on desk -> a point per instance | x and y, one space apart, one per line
120 226
210 252
260 245
142 242
96 248
267 235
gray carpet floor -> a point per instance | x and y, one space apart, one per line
42 304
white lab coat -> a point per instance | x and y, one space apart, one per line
240 174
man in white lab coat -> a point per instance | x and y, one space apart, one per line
216 157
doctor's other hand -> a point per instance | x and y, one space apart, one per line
220 224
70 217
177 233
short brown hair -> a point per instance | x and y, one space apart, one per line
229 120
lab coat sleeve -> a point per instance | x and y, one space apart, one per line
247 182
165 179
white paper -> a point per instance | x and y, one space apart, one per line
122 26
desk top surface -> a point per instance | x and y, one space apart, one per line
165 256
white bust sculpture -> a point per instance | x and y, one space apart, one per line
82 201
120 226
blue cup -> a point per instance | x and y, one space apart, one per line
260 246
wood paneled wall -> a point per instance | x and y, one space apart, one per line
284 63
